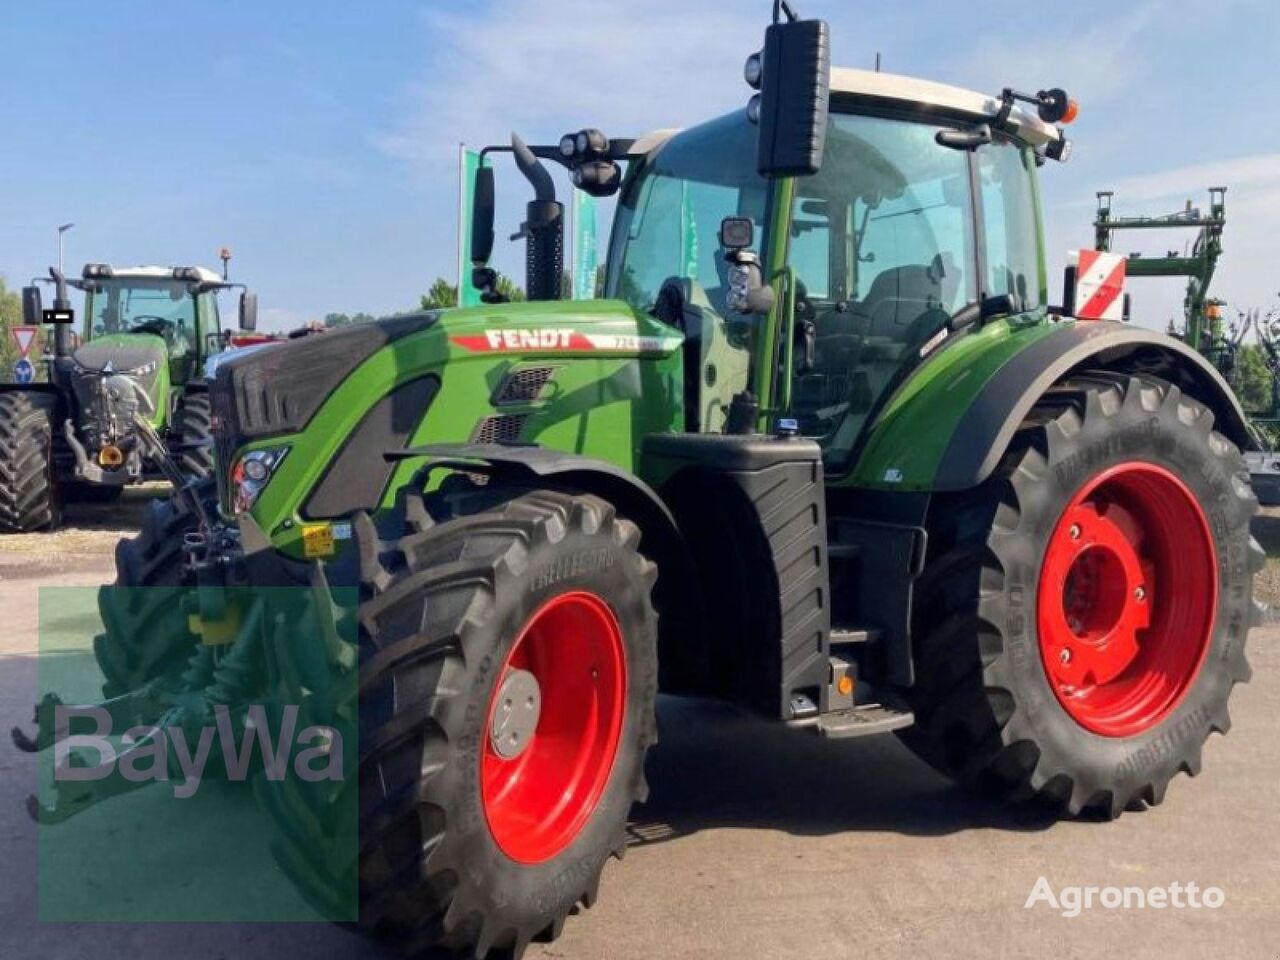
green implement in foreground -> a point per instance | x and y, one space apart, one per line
824 451
128 404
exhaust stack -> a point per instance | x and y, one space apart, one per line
543 229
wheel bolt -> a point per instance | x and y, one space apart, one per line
1075 531
1065 656
1140 594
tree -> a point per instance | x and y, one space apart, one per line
336 320
443 294
10 317
1253 379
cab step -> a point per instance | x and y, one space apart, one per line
842 638
864 721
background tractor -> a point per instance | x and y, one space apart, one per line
824 451
127 403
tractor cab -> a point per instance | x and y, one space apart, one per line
912 229
176 306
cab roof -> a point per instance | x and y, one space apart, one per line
896 90
892 88
201 274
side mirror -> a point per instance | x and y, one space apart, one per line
795 91
32 306
248 311
482 206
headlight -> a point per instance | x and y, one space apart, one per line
250 475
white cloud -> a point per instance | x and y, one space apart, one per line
1096 64
1249 174
542 67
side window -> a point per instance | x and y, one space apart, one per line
210 321
1008 214
811 253
928 224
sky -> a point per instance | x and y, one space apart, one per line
319 140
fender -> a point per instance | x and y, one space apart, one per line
660 536
988 424
631 495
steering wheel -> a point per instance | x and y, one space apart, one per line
150 323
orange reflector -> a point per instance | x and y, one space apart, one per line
1073 111
110 456
845 685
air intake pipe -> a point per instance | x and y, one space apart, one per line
543 229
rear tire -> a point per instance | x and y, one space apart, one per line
1027 682
445 862
146 633
30 494
193 424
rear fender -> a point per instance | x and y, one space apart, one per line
988 424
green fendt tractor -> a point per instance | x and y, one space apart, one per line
824 451
127 404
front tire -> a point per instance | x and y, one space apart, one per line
1083 617
479 832
193 427
30 494
145 632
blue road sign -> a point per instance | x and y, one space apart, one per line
23 371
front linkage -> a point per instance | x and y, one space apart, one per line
254 658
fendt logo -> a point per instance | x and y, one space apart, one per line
546 338
563 339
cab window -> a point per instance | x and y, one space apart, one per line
1009 221
882 250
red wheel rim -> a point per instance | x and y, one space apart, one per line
1126 601
537 802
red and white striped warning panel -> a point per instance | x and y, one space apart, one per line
25 337
1099 293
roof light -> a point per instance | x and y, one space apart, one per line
753 71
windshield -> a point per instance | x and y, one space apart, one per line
669 218
883 247
163 307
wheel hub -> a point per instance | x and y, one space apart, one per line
1099 573
554 724
515 714
1126 600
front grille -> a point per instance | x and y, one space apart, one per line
524 385
503 428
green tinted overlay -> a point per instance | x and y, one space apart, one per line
197 754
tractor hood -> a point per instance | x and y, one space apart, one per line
121 353
117 375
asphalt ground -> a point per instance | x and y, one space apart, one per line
757 842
